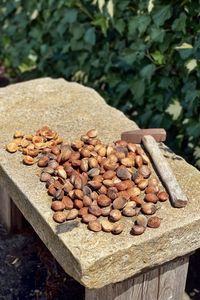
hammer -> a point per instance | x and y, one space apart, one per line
149 138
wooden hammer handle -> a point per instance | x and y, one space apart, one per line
177 196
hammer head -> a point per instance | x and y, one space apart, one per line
135 136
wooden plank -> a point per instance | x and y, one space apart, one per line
163 283
177 196
135 136
10 216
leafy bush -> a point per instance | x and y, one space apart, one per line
142 56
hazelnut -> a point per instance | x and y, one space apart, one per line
106 226
144 171
11 147
67 202
57 205
43 161
123 173
92 133
117 228
163 196
78 203
115 215
72 214
103 200
151 198
105 211
83 211
153 222
141 220
119 203
87 201
128 211
94 226
59 216
94 210
148 208
86 218
137 230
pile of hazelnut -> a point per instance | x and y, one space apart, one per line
98 183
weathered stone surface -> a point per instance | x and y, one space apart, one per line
94 259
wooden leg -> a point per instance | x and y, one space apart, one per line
164 283
10 216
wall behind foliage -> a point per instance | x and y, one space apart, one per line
142 56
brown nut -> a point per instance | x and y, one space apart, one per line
59 194
61 172
128 212
83 211
86 218
68 186
94 210
18 134
119 203
117 228
106 226
131 204
43 161
137 230
67 202
105 211
78 203
59 216
78 193
94 196
84 165
153 222
151 198
93 163
53 164
153 181
93 172
45 177
121 186
95 185
57 205
137 200
28 160
108 182
134 191
163 196
143 184
72 214
87 201
109 174
127 162
94 226
77 144
141 220
92 133
138 161
112 193
103 200
152 189
51 190
144 171
123 173
131 147
103 190
115 215
148 208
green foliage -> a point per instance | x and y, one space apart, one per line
142 56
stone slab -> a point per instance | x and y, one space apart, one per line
93 259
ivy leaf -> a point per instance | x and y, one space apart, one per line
163 13
180 23
158 58
71 15
90 36
157 34
147 72
138 89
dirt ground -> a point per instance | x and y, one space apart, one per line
29 271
